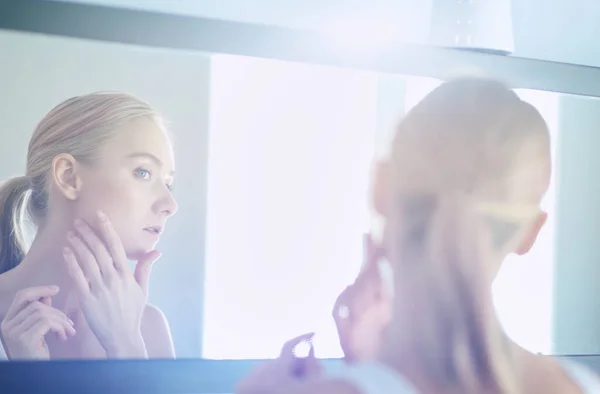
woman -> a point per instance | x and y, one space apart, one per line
98 190
461 190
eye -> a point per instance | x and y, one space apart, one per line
143 174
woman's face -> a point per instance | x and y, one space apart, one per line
132 184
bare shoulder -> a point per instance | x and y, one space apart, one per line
157 333
545 374
152 314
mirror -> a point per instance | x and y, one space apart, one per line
561 23
273 164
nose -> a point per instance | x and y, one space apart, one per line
167 205
171 206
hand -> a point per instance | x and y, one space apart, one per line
29 319
275 376
111 297
363 310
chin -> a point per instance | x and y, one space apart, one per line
136 254
136 247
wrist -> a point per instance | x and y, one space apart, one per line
129 347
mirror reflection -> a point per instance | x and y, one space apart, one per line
250 176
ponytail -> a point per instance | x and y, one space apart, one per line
444 249
13 204
468 167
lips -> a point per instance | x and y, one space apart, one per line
154 230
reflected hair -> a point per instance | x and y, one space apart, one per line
469 166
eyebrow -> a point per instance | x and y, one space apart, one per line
149 156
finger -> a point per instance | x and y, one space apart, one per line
365 287
312 364
31 309
341 312
288 347
311 351
77 317
96 245
46 301
143 269
39 310
371 273
62 329
366 292
41 316
85 259
42 327
305 366
26 296
369 282
113 243
341 300
76 273
342 315
357 308
373 252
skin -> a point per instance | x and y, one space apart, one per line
367 302
131 184
362 310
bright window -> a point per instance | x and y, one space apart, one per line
289 157
290 153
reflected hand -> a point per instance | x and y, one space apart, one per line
111 297
29 319
362 311
276 376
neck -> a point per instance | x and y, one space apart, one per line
44 263
410 343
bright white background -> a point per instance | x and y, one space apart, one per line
290 150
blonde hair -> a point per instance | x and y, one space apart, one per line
469 166
77 126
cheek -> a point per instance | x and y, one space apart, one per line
117 199
126 202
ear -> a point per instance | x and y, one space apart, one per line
380 188
532 234
65 177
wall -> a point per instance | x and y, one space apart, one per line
38 72
576 325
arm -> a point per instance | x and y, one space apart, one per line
156 333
